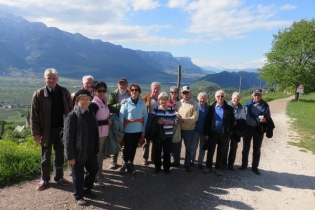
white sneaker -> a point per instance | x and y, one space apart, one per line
99 184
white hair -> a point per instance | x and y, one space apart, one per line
156 84
87 77
174 88
202 95
220 91
236 94
50 71
162 95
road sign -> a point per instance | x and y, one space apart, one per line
300 88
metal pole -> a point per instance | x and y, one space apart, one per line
239 89
179 77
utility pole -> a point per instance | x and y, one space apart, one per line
240 87
179 77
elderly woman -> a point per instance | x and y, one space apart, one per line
81 141
199 138
173 96
101 111
239 130
219 124
167 118
133 115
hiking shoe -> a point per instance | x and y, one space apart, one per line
81 202
90 195
187 168
131 168
112 165
63 181
192 164
122 170
255 170
200 166
41 185
99 184
206 170
145 162
218 172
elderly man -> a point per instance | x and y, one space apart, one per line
188 112
50 105
116 99
151 101
87 84
257 111
219 124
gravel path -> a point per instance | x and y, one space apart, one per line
287 181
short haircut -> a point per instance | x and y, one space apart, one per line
135 85
202 95
162 95
99 84
87 77
50 71
174 88
236 94
220 91
156 84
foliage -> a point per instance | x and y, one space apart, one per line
291 60
303 113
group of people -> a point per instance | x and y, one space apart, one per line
85 126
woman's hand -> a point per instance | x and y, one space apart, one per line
160 121
71 162
110 122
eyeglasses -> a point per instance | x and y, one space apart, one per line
134 90
185 93
101 91
173 92
220 96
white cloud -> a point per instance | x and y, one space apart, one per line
254 64
145 4
177 3
288 7
230 18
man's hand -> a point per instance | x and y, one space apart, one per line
110 122
180 120
123 101
37 138
207 138
71 162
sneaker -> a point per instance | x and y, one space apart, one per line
99 184
81 202
145 162
218 172
90 195
206 170
112 165
63 181
192 164
41 185
187 168
131 168
200 166
122 170
255 170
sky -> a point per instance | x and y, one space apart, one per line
219 33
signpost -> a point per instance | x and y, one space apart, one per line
300 89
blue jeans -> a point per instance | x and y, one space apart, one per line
188 136
199 139
83 184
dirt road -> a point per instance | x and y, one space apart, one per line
287 181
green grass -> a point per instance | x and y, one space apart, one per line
303 113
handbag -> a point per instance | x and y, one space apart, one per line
176 134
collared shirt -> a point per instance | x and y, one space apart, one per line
82 111
122 96
218 118
153 103
239 112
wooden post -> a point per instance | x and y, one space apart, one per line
179 77
239 89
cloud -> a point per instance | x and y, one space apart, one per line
145 4
230 18
254 64
177 3
288 7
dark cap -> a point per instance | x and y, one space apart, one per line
123 79
82 92
258 91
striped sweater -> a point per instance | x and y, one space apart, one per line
168 115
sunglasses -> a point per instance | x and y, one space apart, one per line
185 93
134 90
257 95
220 96
101 91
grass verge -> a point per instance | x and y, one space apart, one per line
303 113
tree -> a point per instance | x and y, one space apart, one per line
291 60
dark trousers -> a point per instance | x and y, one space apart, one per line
257 141
222 140
166 146
232 152
83 184
56 143
131 141
146 149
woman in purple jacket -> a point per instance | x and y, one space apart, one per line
101 111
